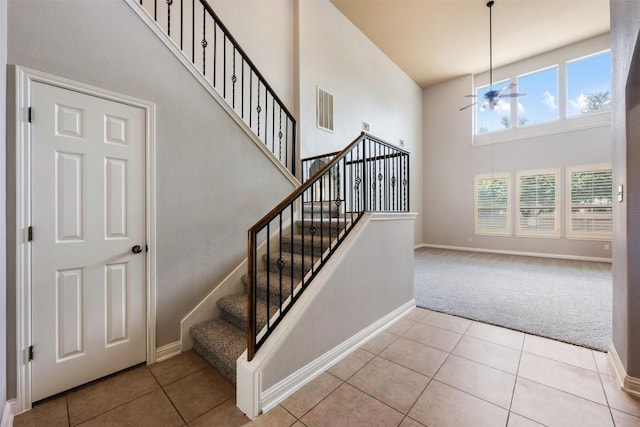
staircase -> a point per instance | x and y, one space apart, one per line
221 341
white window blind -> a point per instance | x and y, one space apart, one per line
538 203
589 213
492 204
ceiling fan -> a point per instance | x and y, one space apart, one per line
491 98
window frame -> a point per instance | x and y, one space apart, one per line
569 233
563 123
493 176
556 233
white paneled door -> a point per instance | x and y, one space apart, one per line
88 249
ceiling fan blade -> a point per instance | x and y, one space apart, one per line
506 88
470 105
471 96
512 95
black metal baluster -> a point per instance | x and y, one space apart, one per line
169 3
266 116
224 66
193 31
242 90
408 182
268 238
204 42
280 136
273 126
258 108
181 23
155 10
250 94
234 79
215 51
302 260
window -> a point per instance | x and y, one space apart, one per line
490 120
561 85
492 204
589 210
541 102
589 84
538 203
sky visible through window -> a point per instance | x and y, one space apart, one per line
588 90
589 84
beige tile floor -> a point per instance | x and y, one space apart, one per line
427 369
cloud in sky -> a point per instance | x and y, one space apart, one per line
580 103
504 107
550 101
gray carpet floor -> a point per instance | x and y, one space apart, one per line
561 299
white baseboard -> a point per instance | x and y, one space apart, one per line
631 385
8 413
168 351
285 388
518 253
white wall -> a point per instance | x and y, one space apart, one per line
264 29
366 85
451 161
3 248
338 311
625 37
213 182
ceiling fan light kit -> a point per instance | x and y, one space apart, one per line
492 97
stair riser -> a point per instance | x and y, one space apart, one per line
298 272
307 249
228 371
274 288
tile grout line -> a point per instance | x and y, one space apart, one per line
604 391
513 392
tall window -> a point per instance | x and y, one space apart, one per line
538 203
492 204
590 209
541 102
589 84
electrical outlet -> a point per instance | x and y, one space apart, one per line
366 126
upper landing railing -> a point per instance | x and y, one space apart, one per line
194 27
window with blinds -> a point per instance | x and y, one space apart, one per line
589 213
538 203
492 204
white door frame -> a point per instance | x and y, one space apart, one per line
24 79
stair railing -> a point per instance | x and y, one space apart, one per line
311 165
197 31
368 175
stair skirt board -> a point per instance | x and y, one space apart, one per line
208 308
294 382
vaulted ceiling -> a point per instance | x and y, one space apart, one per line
435 40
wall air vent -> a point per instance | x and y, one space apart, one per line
324 110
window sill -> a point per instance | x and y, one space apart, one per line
570 124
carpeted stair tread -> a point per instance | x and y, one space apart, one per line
328 227
234 310
220 343
291 261
320 210
273 280
296 242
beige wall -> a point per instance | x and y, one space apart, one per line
625 27
451 161
366 85
3 276
208 170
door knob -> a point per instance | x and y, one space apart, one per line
136 249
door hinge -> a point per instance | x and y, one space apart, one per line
30 353
30 118
30 234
